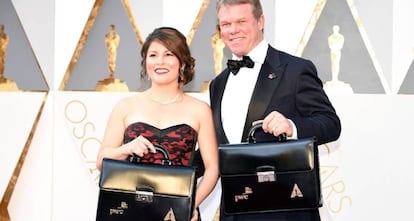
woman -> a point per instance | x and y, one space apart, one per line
164 114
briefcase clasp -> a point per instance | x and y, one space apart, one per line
266 176
144 194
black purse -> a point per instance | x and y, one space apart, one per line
270 176
146 192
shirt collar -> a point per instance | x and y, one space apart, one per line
258 54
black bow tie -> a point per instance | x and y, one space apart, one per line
235 65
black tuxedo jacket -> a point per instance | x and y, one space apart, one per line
289 85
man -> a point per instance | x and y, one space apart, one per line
280 90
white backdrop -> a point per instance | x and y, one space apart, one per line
366 175
360 173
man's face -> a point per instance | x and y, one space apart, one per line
240 31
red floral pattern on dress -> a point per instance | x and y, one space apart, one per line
179 140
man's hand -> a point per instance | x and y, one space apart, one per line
275 123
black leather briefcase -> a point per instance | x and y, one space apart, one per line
270 176
145 192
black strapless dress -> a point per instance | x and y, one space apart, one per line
179 140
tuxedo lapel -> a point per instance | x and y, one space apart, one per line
217 96
267 82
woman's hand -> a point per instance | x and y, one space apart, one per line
139 146
195 215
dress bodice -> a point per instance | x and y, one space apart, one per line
179 140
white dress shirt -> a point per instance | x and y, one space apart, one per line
237 95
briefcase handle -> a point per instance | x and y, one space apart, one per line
252 137
158 148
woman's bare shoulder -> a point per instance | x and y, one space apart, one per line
198 105
197 101
129 100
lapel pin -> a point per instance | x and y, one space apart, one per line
271 76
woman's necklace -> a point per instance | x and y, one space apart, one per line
172 100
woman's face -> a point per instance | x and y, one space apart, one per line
161 64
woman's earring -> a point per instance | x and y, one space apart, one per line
181 75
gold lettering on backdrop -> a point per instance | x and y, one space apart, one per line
328 149
87 140
76 112
71 105
334 190
92 169
112 40
90 124
5 84
296 192
338 208
170 215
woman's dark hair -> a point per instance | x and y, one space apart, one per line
175 42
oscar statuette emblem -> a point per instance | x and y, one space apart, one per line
112 84
5 84
336 42
218 46
218 53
